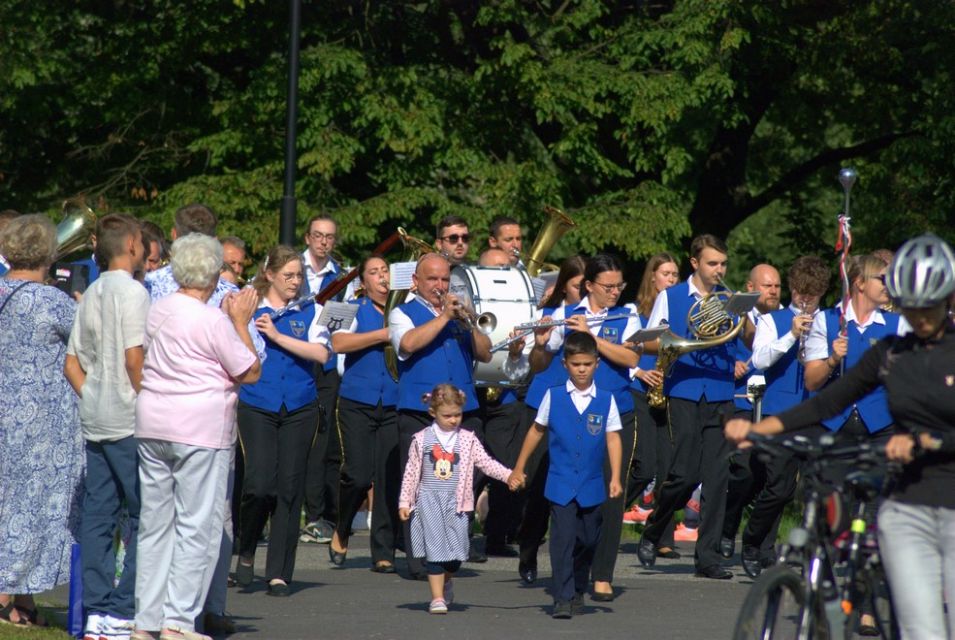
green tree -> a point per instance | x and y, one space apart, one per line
646 121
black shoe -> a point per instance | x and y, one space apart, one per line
669 554
751 562
337 558
383 567
562 611
714 572
577 604
475 554
278 590
727 547
647 553
528 574
868 630
596 596
243 573
502 551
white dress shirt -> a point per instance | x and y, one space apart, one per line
817 344
581 400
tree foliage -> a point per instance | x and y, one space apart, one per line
646 120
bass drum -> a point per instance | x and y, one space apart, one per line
508 293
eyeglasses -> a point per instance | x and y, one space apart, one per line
612 287
455 237
318 235
288 277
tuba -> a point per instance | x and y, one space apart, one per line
75 232
709 323
557 224
414 249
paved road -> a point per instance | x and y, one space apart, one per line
353 603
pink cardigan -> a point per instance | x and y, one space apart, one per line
472 454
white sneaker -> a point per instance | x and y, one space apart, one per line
94 623
113 628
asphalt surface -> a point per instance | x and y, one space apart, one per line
352 603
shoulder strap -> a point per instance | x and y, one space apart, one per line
18 287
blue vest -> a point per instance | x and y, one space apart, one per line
286 379
708 372
447 358
785 387
554 374
366 379
93 267
874 408
647 362
577 443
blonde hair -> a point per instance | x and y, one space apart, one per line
29 242
279 256
864 267
444 393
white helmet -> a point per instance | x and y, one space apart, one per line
922 273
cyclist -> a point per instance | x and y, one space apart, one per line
917 522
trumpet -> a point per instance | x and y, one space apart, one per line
805 310
525 329
485 323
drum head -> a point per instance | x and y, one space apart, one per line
505 292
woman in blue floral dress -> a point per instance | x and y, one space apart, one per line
41 444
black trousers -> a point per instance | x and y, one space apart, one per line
608 544
700 454
410 423
325 455
502 438
369 436
534 507
574 535
652 455
276 446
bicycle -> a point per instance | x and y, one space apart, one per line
801 596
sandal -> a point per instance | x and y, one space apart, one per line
5 612
32 616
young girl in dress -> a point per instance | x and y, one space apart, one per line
437 492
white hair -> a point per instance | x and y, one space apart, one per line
196 260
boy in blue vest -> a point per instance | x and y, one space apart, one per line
582 422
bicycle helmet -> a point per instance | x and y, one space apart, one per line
922 274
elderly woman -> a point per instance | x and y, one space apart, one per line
41 444
196 358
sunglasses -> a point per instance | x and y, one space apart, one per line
455 237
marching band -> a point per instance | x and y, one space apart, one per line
329 424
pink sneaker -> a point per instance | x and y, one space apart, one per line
438 605
683 533
636 515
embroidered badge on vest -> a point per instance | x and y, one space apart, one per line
443 462
298 328
608 333
595 423
873 342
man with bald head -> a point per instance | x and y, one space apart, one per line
433 346
494 257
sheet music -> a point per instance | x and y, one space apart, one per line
336 315
540 288
740 303
646 335
401 274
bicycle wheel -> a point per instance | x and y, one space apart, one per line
773 607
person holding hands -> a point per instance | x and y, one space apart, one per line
582 424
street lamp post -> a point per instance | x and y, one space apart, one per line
287 217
